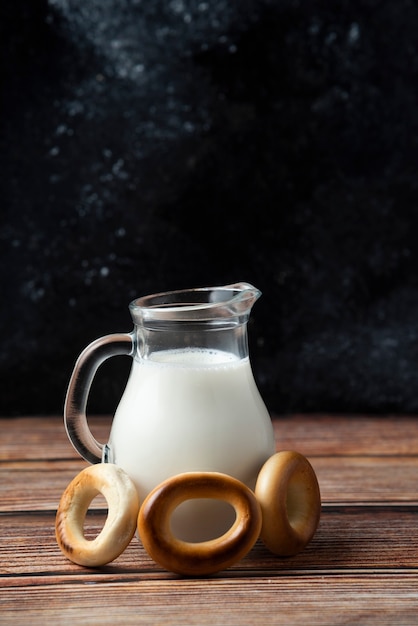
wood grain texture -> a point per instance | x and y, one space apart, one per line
360 568
316 600
347 538
30 438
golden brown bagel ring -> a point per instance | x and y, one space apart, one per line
205 557
123 503
288 492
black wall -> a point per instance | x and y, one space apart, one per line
148 146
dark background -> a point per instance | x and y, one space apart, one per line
154 145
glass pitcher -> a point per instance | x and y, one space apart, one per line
190 404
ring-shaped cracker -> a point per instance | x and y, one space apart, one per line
204 557
120 525
288 492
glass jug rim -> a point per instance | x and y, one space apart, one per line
196 303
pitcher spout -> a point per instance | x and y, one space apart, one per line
243 296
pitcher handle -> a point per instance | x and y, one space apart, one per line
86 366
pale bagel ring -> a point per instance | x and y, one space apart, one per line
123 504
205 557
288 492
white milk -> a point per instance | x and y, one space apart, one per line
192 410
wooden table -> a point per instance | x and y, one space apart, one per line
360 568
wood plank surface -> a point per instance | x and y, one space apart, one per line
360 568
33 438
320 600
347 538
38 485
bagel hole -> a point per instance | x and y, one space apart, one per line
95 518
297 506
202 519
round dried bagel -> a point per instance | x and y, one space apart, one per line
288 492
205 557
123 505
